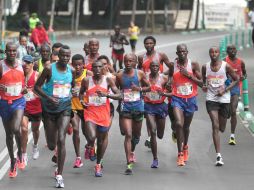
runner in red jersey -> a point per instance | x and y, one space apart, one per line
12 104
144 62
97 110
239 67
93 45
185 77
32 111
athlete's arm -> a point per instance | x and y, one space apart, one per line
117 95
164 59
125 41
244 73
111 41
230 71
167 90
144 82
140 62
89 73
197 77
83 88
204 87
73 77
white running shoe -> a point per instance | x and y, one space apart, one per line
36 152
59 181
219 161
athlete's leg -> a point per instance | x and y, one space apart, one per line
127 127
179 121
24 133
152 128
35 125
136 133
186 127
75 137
90 129
102 143
50 132
233 104
214 116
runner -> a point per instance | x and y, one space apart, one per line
144 62
12 104
239 67
93 45
117 40
218 95
56 47
77 108
97 110
155 108
57 80
45 57
132 82
133 32
86 49
185 77
32 110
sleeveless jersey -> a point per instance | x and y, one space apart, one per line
153 97
89 62
33 102
215 82
98 108
75 103
236 65
182 86
13 80
147 61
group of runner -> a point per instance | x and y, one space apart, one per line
78 90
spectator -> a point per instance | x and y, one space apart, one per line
133 32
33 20
39 36
24 47
25 22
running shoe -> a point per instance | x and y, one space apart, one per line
25 158
78 163
155 163
232 141
36 152
87 152
92 154
180 159
70 130
21 163
54 159
59 181
132 157
219 161
148 143
185 153
128 170
13 172
97 170
174 139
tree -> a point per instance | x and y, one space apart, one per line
23 6
191 12
179 2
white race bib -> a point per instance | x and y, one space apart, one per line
96 100
216 82
29 96
131 96
185 90
154 96
117 46
61 90
13 89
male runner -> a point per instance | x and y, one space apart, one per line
97 110
45 57
132 82
184 77
57 80
117 42
12 104
32 110
93 45
214 75
239 67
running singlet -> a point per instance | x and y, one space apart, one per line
132 100
98 108
33 102
216 82
147 61
153 96
75 103
117 47
134 32
13 80
182 86
89 62
236 65
59 86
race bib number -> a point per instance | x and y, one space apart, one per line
29 96
117 46
154 96
185 89
216 82
13 89
131 96
61 90
96 100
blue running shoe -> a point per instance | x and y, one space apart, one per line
155 163
98 170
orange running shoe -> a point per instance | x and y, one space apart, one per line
180 159
185 153
21 165
13 173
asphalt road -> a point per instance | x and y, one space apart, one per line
199 173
